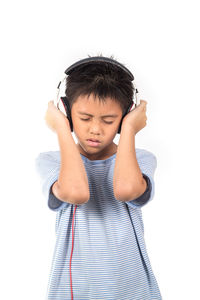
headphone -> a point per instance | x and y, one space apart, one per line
64 106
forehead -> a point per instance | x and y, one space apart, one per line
92 105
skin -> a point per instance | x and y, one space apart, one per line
96 127
128 182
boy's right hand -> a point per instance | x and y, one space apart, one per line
54 117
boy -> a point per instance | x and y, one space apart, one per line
106 183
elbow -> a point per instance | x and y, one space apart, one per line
122 194
77 198
71 195
128 193
81 198
126 196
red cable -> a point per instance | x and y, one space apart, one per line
72 252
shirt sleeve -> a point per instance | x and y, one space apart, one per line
147 162
47 167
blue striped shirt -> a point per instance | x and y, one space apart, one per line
110 259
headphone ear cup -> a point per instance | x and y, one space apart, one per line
127 111
68 110
119 129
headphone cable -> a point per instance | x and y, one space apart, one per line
72 251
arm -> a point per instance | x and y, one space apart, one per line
128 181
72 181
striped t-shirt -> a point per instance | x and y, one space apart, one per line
109 259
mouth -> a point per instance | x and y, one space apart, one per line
93 140
93 143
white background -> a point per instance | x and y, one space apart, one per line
159 42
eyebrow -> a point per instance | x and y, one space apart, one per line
82 113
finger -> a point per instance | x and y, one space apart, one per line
143 102
50 102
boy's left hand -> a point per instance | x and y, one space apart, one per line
136 118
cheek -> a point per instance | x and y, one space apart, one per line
78 124
112 131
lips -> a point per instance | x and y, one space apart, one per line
93 140
91 143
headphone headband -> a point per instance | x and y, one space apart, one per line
98 59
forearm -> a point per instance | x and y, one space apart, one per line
72 176
127 178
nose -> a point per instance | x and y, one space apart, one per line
95 128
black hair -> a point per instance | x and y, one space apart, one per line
102 80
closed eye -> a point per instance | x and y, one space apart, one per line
104 121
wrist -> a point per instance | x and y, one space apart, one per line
128 128
63 126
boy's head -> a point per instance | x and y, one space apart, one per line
98 89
